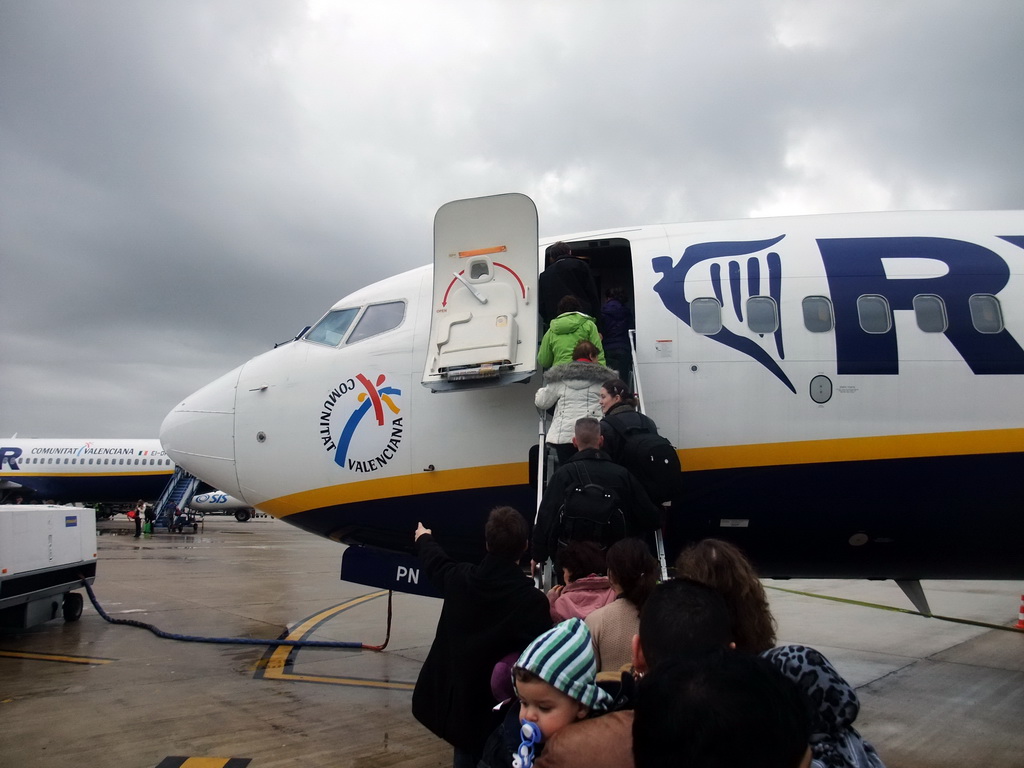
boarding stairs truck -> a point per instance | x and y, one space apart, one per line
46 551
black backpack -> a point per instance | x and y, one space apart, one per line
590 512
651 459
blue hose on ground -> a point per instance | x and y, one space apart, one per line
234 640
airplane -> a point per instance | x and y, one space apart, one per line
220 503
111 473
844 392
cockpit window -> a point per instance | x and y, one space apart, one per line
331 330
378 318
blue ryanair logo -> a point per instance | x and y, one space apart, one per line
853 267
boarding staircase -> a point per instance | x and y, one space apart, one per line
176 495
659 538
546 465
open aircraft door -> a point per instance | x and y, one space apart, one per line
484 322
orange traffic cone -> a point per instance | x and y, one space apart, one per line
1020 614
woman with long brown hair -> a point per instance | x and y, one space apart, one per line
724 567
835 743
633 572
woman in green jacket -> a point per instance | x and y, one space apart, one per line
571 326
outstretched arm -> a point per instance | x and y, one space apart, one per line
438 566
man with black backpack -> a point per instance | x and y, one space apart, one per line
591 498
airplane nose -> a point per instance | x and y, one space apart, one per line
199 434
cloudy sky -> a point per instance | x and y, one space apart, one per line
184 183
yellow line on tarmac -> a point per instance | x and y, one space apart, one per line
54 657
358 682
308 625
273 666
863 604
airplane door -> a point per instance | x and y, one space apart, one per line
483 322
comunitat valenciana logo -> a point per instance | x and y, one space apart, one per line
361 423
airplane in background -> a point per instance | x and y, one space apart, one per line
220 503
111 473
844 392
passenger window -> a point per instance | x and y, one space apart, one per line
818 316
477 270
873 312
762 314
930 313
986 314
706 316
377 319
332 328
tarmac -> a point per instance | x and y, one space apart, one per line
933 692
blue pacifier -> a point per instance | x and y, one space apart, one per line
531 734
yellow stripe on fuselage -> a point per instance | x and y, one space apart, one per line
692 459
855 449
437 481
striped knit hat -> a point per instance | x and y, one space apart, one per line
564 658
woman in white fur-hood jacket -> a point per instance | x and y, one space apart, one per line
573 389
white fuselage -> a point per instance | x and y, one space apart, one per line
847 449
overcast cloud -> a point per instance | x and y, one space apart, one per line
182 184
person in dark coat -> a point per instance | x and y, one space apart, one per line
490 610
567 275
616 322
640 513
137 517
620 416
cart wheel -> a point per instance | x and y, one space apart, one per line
73 606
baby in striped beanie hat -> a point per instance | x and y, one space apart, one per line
556 678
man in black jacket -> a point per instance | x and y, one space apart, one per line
591 465
567 275
490 610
